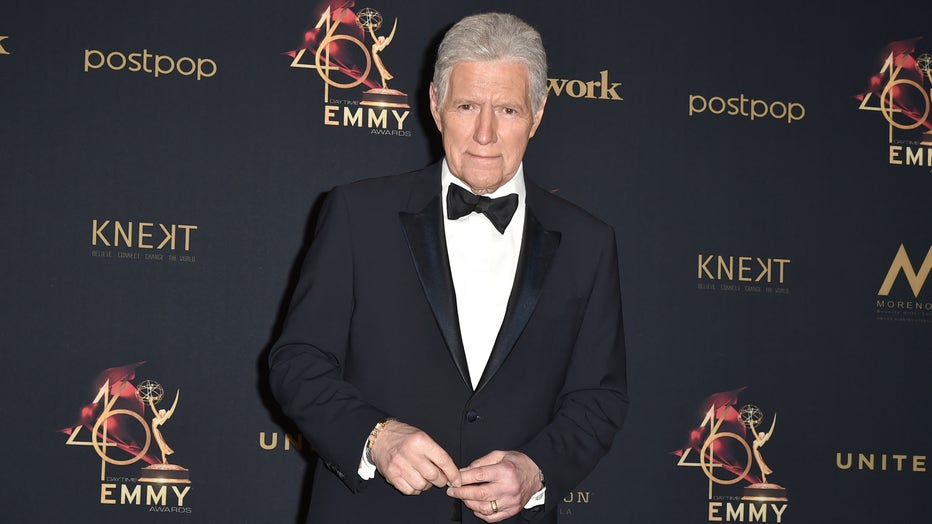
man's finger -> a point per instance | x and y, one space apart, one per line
449 473
480 474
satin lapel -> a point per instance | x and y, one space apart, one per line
424 233
537 251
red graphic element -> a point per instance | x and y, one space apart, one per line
343 57
897 59
725 452
122 432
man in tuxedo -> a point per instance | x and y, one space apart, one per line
454 347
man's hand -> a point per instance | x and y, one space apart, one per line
498 485
410 460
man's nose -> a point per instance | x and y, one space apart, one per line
485 127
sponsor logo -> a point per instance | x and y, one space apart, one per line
123 425
346 49
271 441
148 241
880 462
574 503
893 301
900 91
153 64
728 447
750 108
601 89
743 274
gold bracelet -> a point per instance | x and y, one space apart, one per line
373 434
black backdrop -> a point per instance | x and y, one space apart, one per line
759 208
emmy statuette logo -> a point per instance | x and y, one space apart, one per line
901 91
124 425
337 49
762 491
727 447
151 392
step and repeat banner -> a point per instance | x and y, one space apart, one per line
767 168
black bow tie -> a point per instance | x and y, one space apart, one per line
499 211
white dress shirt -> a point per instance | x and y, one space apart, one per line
483 264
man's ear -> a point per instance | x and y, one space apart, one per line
435 107
538 116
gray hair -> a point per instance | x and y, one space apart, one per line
493 36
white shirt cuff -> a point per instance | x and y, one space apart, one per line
537 499
366 469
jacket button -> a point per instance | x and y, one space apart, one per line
472 415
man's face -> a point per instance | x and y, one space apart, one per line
486 121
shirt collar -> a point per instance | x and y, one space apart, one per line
515 185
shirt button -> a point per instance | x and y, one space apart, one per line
472 415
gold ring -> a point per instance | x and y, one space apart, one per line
494 507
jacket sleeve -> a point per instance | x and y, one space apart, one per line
306 363
593 401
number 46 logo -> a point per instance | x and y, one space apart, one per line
903 101
110 429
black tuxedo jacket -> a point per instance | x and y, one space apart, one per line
372 332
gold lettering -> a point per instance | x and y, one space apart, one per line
133 496
401 118
729 269
734 513
378 119
168 237
846 465
608 91
119 232
779 511
704 266
765 270
330 113
743 269
298 442
106 492
99 233
714 507
901 262
142 235
576 88
894 155
780 262
187 235
757 513
351 117
556 85
899 461
154 497
181 494
587 89
919 463
262 443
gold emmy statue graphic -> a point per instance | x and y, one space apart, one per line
370 20
762 491
151 392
